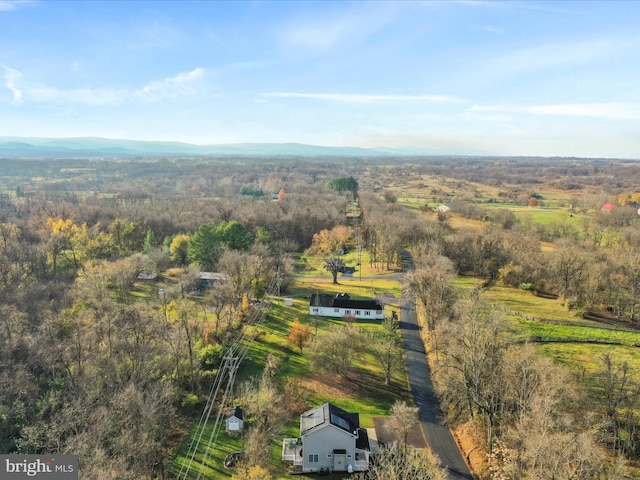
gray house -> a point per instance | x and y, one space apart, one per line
339 305
331 440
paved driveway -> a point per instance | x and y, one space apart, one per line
437 434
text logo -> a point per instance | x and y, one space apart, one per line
49 467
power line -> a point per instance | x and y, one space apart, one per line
226 372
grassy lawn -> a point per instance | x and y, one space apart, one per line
313 265
363 392
585 360
209 463
579 333
529 304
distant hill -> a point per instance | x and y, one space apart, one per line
26 147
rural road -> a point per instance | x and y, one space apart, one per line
438 435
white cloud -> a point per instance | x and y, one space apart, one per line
84 96
367 98
330 30
319 36
10 78
613 111
560 55
7 5
609 111
181 84
492 29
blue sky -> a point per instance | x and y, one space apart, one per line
458 77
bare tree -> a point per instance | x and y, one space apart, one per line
397 463
403 419
337 350
334 264
474 362
431 283
570 266
386 347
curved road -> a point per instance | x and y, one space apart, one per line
437 434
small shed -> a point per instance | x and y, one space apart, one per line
150 275
235 420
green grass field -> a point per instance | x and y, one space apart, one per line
364 392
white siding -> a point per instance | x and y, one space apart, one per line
322 442
341 312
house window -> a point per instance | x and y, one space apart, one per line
315 310
313 458
367 312
357 312
347 312
336 310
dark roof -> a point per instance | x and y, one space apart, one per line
362 442
329 414
349 422
236 412
342 300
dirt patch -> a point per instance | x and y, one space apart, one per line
387 434
472 447
324 385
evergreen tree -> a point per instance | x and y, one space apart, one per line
150 241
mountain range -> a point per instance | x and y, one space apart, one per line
32 147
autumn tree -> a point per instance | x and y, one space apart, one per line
123 235
179 249
329 242
256 472
299 334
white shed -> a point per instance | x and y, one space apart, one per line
235 420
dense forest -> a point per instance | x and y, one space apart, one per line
90 368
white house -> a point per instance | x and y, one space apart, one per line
339 305
331 440
235 420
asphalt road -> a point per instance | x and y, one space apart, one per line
437 434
